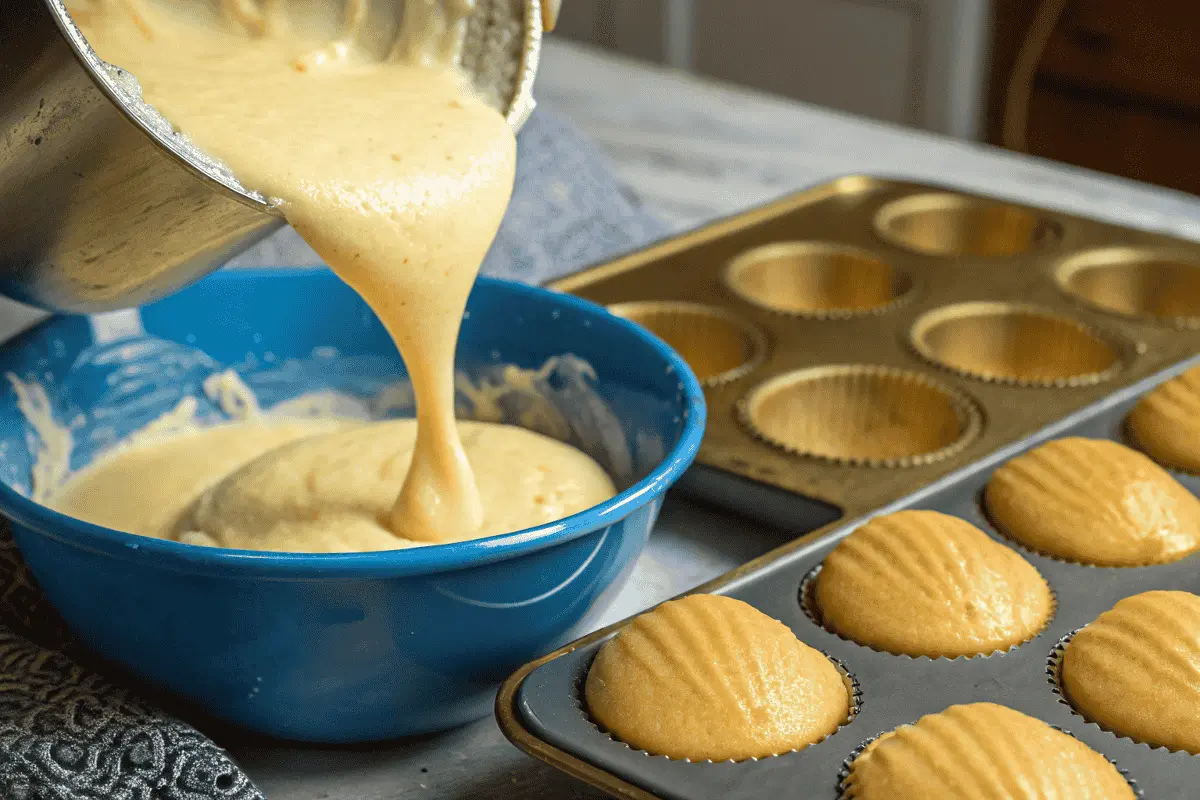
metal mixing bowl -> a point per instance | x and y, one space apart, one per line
103 206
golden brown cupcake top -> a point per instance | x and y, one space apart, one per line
1166 422
1095 502
982 751
1136 670
710 677
928 584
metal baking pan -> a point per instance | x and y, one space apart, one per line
539 708
909 288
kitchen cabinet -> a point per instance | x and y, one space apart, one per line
1115 88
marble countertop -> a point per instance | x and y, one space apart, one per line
690 151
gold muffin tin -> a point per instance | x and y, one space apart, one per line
863 338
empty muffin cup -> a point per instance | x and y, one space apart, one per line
1009 343
947 224
1135 283
717 345
861 415
815 279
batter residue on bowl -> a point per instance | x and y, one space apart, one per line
382 157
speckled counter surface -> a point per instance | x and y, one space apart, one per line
690 151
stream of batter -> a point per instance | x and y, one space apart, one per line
383 158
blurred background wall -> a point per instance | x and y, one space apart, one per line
1113 85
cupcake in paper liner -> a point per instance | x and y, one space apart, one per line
718 345
1017 344
983 751
861 415
1135 670
711 678
1094 501
816 279
923 583
1165 424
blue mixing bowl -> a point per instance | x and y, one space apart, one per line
353 647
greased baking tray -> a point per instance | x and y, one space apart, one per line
541 711
1023 323
863 289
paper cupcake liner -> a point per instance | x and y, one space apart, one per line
1061 352
1144 284
951 225
817 280
846 789
812 610
861 415
718 345
853 691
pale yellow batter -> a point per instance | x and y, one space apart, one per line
928 584
1136 669
982 751
382 157
710 677
320 485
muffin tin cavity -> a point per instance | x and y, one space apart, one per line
1009 343
947 224
816 279
1135 283
861 415
718 345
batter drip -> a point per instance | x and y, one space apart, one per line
371 142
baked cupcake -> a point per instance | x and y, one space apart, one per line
712 678
922 583
985 752
1094 502
1166 422
1136 670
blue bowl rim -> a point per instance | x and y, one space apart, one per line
427 559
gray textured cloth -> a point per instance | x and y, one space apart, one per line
67 732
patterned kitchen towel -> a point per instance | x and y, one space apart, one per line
67 732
